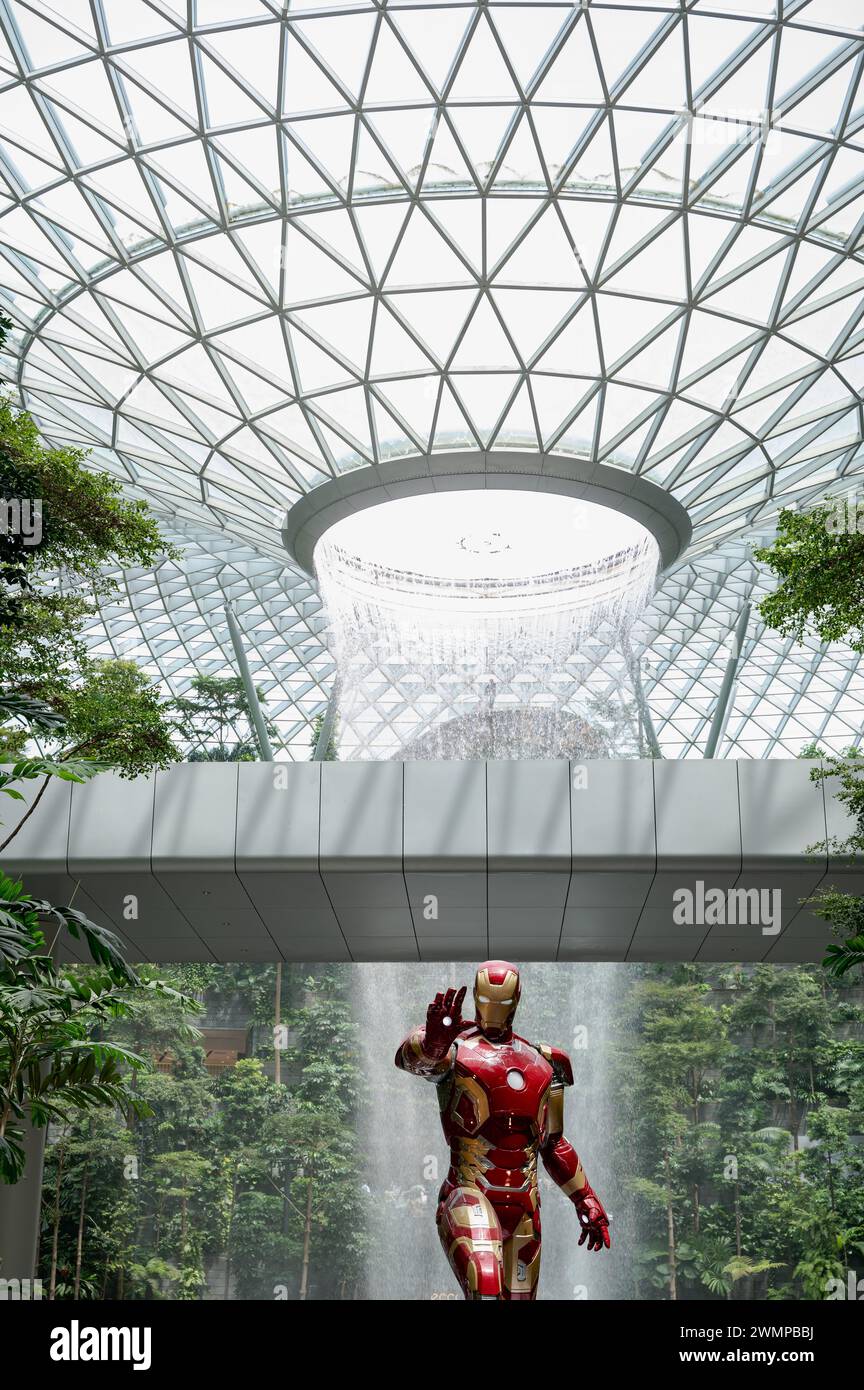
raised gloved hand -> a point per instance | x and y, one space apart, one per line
443 1022
592 1219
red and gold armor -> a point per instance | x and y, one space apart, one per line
502 1105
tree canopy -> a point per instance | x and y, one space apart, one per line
818 556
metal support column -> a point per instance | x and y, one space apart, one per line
328 723
718 723
251 693
642 703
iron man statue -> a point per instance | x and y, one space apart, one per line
502 1104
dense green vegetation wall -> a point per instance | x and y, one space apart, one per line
741 1094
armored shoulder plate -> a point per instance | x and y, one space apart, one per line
559 1062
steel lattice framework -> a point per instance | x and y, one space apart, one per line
248 247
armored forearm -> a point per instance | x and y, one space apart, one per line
422 1057
562 1164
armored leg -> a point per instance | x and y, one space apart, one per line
470 1233
522 1259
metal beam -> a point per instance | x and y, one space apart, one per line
328 723
641 702
255 713
718 723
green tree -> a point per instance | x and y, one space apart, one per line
820 566
844 911
682 1041
331 753
153 1280
54 1058
818 558
113 718
788 1065
83 715
50 1061
182 1177
215 720
77 706
85 523
115 714
315 1154
248 1100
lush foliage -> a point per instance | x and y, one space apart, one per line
51 1057
115 714
49 588
231 1185
821 571
738 1094
214 719
82 716
844 911
53 574
720 1074
54 1056
113 717
820 565
52 577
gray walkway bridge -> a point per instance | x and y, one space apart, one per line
425 861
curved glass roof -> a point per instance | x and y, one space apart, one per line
247 247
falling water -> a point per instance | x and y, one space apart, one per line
401 1134
570 1005
473 664
574 1005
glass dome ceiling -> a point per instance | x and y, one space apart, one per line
248 247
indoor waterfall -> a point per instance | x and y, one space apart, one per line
489 645
571 1005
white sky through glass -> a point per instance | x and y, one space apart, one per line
493 534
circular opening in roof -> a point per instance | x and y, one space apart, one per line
477 607
461 558
484 537
503 506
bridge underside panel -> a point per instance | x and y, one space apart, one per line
610 861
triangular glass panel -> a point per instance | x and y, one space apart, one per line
482 74
436 316
342 42
393 78
424 258
434 45
574 350
485 343
545 256
253 53
573 76
393 350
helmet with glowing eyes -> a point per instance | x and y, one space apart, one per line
496 994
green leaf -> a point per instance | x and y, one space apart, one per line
38 715
69 769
